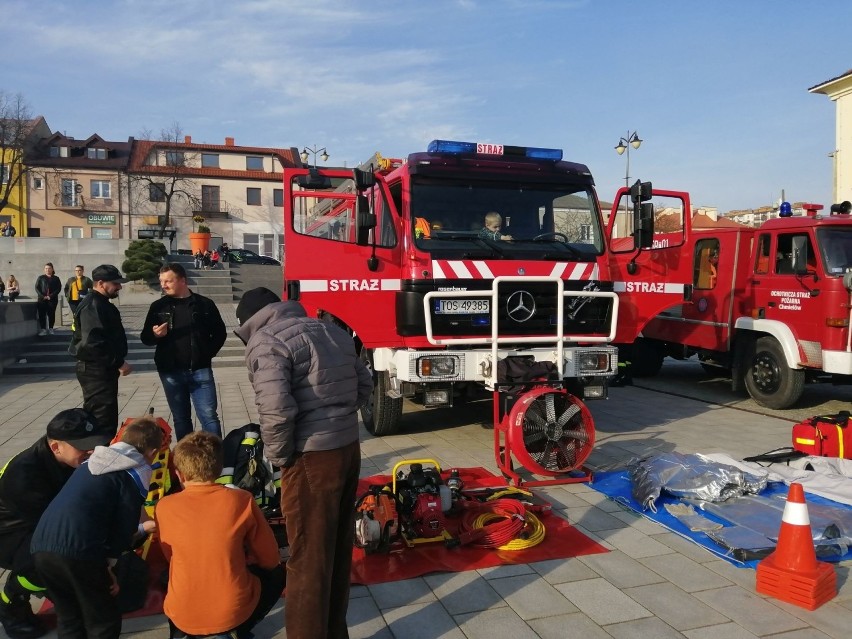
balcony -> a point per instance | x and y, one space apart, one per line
215 209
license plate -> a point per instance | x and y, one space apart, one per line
460 306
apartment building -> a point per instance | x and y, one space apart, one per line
77 188
839 91
236 189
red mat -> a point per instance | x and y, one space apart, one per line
561 541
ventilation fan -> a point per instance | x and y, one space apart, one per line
549 432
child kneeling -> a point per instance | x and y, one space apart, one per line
224 566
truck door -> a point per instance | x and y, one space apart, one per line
784 296
653 279
324 267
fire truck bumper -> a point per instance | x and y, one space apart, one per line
837 362
477 365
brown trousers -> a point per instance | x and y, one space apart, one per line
318 501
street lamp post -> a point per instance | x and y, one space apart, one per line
624 144
305 154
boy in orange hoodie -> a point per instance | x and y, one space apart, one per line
224 566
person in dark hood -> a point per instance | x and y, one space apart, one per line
89 524
309 384
28 483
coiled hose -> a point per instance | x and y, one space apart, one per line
503 524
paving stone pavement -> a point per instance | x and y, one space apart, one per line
652 583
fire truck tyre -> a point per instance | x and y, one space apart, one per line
646 358
769 380
381 414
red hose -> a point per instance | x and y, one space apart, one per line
508 520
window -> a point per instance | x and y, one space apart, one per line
69 192
101 234
157 192
96 154
210 160
705 264
253 196
72 232
174 158
59 151
4 174
101 189
785 249
38 183
210 198
762 264
254 163
278 197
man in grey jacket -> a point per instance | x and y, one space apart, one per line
309 384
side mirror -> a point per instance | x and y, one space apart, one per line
641 192
313 181
644 224
365 220
363 179
800 255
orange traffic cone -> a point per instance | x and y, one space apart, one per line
792 573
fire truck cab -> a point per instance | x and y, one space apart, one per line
769 304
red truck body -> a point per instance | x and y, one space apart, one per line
395 253
771 304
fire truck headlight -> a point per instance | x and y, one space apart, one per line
436 366
597 391
592 363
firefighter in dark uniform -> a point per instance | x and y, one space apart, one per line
28 483
100 345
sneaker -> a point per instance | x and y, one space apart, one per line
50 331
42 333
19 622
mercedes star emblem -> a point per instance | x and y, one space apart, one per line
520 306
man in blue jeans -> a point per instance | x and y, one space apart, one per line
188 332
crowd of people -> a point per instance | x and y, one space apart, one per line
73 502
208 259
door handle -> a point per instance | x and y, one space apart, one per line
771 304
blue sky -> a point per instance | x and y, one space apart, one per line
717 90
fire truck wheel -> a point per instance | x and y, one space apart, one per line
769 380
646 358
381 414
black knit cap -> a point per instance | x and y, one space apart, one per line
79 428
253 301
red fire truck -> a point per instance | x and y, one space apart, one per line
769 304
397 253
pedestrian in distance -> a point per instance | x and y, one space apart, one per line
13 289
48 287
199 259
77 287
87 527
2 290
224 250
28 483
309 383
188 332
7 230
206 260
227 579
99 344
214 258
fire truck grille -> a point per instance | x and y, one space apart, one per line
530 308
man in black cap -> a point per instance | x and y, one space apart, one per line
100 345
308 385
28 483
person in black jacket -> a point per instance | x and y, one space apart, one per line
88 525
99 344
188 332
48 288
28 483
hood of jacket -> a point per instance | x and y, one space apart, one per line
121 457
267 315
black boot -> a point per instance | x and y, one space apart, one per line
19 621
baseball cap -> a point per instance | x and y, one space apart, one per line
77 427
254 300
107 273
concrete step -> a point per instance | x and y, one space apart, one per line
69 366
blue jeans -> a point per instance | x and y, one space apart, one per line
199 385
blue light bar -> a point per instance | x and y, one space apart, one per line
449 146
487 148
544 154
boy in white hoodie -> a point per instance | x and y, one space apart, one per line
88 525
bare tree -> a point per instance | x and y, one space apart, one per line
165 184
15 128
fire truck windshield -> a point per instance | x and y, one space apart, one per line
509 221
836 248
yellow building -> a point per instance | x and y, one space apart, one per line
14 173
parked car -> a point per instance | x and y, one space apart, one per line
244 256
